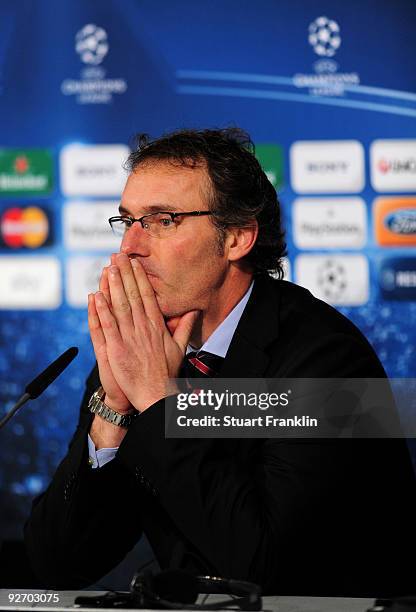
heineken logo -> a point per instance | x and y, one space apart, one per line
21 165
24 172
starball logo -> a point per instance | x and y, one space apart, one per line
93 87
91 44
324 38
341 280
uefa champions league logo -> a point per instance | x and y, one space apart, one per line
91 44
93 86
324 36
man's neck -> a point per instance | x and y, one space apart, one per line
227 297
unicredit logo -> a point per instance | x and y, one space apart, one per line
24 227
397 166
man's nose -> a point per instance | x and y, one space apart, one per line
135 241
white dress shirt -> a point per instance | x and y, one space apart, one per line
217 344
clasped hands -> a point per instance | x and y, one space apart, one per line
136 353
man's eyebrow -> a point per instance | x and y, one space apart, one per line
150 209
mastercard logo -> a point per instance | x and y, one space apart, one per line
24 227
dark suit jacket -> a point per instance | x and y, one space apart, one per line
323 517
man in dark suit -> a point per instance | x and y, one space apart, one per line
201 230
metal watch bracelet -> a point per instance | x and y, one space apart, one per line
96 405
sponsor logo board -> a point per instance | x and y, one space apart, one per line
86 227
341 280
335 166
397 278
30 283
395 221
393 165
93 170
24 227
329 223
270 157
82 277
26 171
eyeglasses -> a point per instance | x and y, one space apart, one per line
159 225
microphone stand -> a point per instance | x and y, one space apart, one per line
25 397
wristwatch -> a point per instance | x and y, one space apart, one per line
97 406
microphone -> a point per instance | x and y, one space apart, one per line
176 589
42 381
45 378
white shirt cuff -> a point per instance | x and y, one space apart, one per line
98 458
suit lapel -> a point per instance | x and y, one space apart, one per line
257 329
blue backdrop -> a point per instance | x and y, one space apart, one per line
327 90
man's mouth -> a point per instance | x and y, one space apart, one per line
150 272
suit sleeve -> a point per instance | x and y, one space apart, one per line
76 531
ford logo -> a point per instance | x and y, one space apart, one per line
402 222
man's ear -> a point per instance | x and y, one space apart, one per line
240 240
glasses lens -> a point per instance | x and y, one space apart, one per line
119 225
159 225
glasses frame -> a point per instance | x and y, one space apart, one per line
173 216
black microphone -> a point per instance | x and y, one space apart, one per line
45 378
42 381
177 589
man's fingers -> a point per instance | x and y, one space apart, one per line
130 288
184 329
147 294
107 321
120 304
104 286
96 332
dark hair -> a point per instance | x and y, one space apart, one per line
239 192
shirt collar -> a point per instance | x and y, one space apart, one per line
220 339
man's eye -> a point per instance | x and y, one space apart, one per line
127 222
166 222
